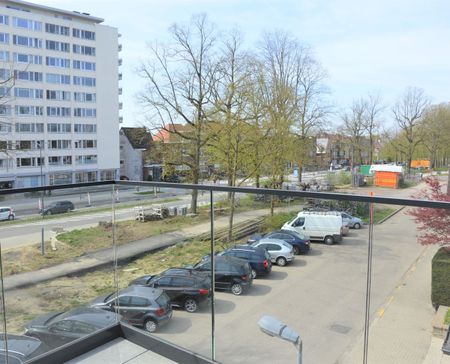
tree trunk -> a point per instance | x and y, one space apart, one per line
300 167
230 218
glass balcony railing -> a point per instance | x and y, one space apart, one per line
339 275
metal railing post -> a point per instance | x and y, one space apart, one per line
213 278
368 283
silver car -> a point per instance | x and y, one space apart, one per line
352 221
280 252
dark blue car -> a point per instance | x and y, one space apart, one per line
301 244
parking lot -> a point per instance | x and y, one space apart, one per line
320 295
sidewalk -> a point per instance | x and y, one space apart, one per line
400 331
103 257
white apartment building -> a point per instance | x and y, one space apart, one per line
59 96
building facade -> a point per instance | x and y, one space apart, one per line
59 107
133 143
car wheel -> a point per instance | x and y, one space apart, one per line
11 217
281 261
236 289
328 240
357 225
190 305
68 209
296 250
48 212
150 325
254 274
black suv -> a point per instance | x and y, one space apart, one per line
185 287
231 274
140 306
258 258
58 207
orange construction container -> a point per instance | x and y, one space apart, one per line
420 163
387 179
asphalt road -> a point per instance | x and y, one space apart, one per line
321 296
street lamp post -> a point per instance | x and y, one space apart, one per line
273 327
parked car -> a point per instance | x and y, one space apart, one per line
58 207
299 241
59 328
259 259
352 221
141 306
231 274
185 287
7 213
20 348
280 252
323 226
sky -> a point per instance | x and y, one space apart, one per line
366 47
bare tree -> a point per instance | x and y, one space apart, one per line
180 84
309 101
279 62
374 108
408 113
354 127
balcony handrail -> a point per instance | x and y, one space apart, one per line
251 190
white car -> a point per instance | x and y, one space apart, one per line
7 213
280 252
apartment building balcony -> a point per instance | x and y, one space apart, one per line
375 279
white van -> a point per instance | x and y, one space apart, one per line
323 226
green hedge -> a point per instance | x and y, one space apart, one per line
440 278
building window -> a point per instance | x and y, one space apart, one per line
58 128
5 74
27 58
27 41
83 65
58 78
58 95
57 46
84 97
4 38
83 34
25 110
58 111
85 128
4 56
28 93
60 178
84 113
28 76
57 29
57 62
27 24
81 49
84 81
5 110
4 19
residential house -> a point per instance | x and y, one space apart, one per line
133 144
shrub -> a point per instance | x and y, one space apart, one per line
276 221
440 282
